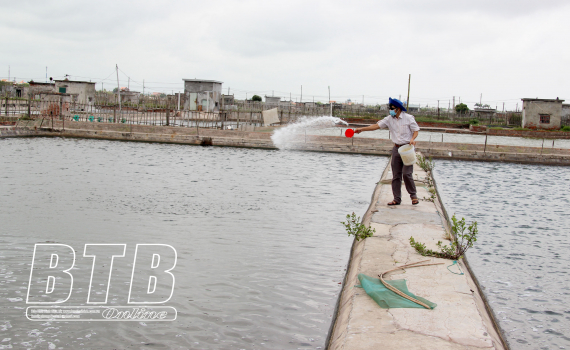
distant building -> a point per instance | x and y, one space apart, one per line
286 104
482 113
272 101
38 88
80 91
128 96
413 108
565 110
14 89
540 113
202 95
55 104
228 100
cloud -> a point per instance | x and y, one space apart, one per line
505 49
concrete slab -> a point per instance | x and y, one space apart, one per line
398 215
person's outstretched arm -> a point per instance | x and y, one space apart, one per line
368 128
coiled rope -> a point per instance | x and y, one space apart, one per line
399 292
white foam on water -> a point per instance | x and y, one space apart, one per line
284 138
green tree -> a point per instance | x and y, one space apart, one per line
461 108
256 98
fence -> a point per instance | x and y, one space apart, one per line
164 110
147 111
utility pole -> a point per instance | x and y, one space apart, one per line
503 107
8 73
363 100
480 99
228 90
143 87
301 94
408 101
330 102
118 91
46 74
453 101
438 108
129 84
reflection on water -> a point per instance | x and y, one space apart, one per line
261 250
521 257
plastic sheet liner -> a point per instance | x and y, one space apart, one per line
387 299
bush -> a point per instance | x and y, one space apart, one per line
474 122
565 128
357 229
461 241
256 98
461 108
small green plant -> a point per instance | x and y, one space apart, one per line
460 243
474 122
433 195
356 228
25 117
565 128
427 165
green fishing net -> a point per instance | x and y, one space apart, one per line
388 299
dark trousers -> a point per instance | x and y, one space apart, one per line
400 170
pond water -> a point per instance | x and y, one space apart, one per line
521 256
261 251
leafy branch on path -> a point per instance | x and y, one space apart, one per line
356 228
456 249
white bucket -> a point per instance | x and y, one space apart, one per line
408 154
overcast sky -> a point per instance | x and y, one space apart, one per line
504 50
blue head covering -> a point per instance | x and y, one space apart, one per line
397 103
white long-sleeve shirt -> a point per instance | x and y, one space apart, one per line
401 129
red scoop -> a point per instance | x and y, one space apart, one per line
349 133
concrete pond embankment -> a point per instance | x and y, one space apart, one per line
260 137
461 319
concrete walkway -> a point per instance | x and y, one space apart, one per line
260 137
460 320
